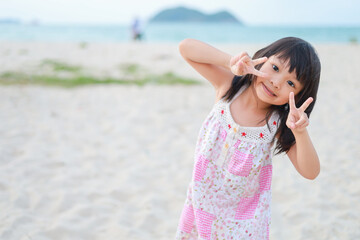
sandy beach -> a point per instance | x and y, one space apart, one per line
114 161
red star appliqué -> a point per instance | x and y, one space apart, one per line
229 126
261 135
243 134
274 122
222 111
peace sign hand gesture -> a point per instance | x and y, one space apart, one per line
297 119
242 64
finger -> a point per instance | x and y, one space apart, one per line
292 125
246 58
239 68
259 61
301 125
245 54
235 69
236 58
259 73
292 102
290 122
238 63
301 121
306 104
304 125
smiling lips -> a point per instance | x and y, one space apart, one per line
268 91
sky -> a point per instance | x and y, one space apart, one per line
251 12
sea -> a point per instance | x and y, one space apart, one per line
175 32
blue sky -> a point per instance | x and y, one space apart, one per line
251 12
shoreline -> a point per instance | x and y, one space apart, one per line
115 60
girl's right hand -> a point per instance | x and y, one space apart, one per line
242 64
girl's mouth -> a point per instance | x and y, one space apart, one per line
268 91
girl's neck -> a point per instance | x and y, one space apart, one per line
247 110
252 102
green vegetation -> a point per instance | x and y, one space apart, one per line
58 66
131 74
83 45
130 68
170 78
10 78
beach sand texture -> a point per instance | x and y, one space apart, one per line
114 161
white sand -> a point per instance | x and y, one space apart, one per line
113 162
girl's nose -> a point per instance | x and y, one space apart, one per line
275 82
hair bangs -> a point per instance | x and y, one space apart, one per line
296 57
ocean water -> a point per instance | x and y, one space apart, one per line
175 32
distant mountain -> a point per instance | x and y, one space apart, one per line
183 14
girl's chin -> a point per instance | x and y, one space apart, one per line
264 100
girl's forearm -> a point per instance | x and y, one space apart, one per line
306 156
201 52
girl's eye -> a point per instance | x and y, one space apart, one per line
275 68
291 83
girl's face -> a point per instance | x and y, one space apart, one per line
276 87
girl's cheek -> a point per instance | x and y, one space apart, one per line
266 68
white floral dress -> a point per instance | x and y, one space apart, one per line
230 193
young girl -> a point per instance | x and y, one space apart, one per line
258 100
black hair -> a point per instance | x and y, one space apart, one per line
300 57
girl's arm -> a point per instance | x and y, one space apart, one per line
211 63
216 66
302 154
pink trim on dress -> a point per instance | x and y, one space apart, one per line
246 208
265 178
204 222
187 219
200 168
241 163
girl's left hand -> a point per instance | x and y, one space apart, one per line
242 64
297 119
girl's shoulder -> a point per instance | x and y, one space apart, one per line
230 88
221 91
